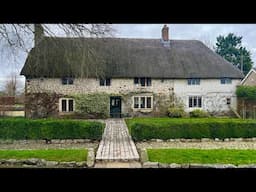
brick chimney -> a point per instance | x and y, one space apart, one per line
165 33
38 33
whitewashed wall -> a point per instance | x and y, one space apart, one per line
213 93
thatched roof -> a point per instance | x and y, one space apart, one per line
121 57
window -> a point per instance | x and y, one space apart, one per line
148 102
136 102
148 81
67 105
143 81
105 82
225 80
67 81
228 101
136 80
195 101
142 102
194 81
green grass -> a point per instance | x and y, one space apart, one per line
172 128
211 156
59 155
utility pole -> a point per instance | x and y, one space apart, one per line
242 67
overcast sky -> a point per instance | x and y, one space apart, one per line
207 33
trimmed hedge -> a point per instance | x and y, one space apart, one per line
20 128
165 128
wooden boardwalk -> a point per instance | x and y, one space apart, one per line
116 143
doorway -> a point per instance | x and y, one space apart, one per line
115 107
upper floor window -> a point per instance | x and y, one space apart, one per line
225 80
67 81
143 81
66 105
194 81
105 82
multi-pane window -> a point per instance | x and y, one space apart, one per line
195 101
105 82
225 80
67 81
143 81
67 105
194 81
142 102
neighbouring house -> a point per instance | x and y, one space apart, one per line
247 107
250 78
134 77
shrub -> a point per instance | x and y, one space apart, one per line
176 112
198 113
166 128
92 105
20 128
246 92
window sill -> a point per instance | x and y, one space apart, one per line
143 110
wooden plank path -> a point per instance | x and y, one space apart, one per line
116 143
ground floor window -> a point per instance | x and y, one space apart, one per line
142 102
67 105
195 101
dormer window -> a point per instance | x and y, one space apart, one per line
193 81
67 81
225 80
142 81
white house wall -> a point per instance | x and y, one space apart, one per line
213 94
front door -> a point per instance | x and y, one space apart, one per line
115 107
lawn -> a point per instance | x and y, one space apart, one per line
202 156
59 155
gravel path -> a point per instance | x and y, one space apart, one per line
199 145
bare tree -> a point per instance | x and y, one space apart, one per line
13 86
21 35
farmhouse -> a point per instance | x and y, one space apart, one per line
134 77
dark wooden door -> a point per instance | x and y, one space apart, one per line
115 107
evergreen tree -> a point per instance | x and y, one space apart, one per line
230 48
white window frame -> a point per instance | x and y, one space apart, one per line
197 99
140 96
67 101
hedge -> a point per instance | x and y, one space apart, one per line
20 128
246 92
163 128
